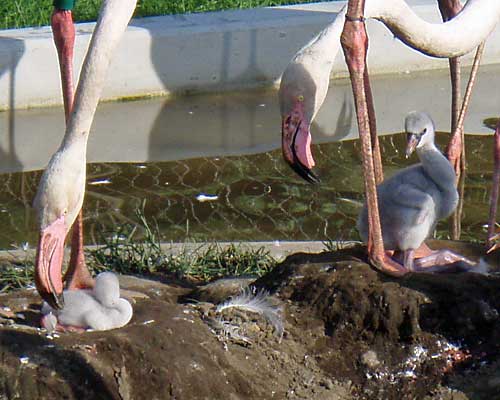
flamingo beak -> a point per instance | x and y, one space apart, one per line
296 146
48 265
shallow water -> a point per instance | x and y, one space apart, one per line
258 196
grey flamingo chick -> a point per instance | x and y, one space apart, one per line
100 308
412 201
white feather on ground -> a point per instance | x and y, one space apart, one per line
256 301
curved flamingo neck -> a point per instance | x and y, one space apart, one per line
449 39
112 22
325 46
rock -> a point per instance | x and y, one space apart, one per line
370 359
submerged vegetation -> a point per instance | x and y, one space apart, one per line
24 13
135 249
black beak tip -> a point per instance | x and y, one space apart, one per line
305 173
56 301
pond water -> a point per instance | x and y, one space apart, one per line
257 196
166 153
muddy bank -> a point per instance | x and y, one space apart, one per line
349 333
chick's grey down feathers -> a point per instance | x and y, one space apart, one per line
99 309
413 200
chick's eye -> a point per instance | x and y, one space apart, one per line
300 97
424 131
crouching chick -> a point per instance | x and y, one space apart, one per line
100 309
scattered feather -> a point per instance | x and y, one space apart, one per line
256 301
202 197
100 182
353 202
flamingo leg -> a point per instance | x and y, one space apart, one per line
77 276
377 157
492 237
449 9
456 148
355 44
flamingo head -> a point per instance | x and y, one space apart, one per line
57 203
297 105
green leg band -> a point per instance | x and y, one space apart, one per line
64 4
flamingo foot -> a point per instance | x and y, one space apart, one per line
443 261
423 259
388 265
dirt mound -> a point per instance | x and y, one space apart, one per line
349 333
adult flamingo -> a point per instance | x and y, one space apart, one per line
77 275
60 194
305 83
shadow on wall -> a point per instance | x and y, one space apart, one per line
239 123
11 51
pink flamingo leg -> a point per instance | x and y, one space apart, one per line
449 9
355 44
492 237
377 157
77 276
455 150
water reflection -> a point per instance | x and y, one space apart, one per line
230 123
259 197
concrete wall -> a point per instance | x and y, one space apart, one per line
200 52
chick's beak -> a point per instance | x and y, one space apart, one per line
411 144
296 146
48 264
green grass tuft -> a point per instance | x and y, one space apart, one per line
24 13
16 276
123 253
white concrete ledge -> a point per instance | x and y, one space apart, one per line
277 249
200 52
